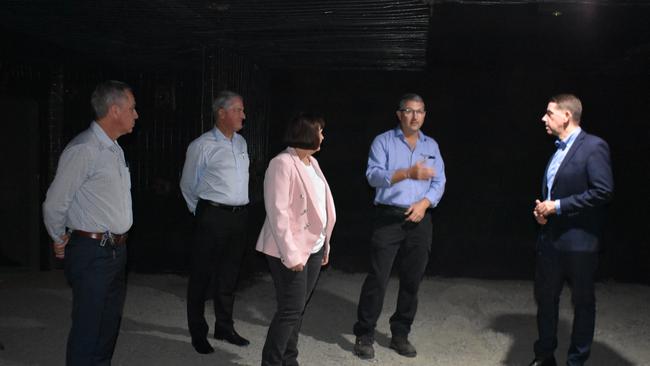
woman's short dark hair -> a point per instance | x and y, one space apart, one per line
302 131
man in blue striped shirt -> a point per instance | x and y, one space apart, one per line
215 186
87 212
408 173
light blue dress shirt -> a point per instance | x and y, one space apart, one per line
216 169
92 187
389 152
556 161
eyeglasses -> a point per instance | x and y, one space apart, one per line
409 111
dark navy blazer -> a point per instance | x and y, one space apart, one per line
583 184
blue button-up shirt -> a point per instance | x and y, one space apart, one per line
216 169
555 163
92 187
389 152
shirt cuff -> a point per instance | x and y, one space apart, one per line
558 208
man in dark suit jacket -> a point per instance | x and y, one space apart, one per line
577 184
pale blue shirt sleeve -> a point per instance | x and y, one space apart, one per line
190 176
439 180
74 164
558 207
377 175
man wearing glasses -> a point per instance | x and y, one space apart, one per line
407 171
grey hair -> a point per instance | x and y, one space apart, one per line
409 96
106 94
224 100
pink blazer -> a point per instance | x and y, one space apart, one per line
293 223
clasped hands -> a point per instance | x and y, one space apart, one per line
543 210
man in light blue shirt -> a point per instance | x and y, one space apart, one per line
87 212
214 184
408 173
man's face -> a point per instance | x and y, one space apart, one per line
125 113
233 115
411 116
555 119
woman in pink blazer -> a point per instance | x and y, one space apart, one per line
296 234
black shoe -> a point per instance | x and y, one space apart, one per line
202 346
549 361
402 345
232 337
363 348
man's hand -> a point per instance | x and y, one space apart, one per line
298 268
545 208
416 211
420 171
59 248
539 218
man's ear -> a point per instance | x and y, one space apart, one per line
113 110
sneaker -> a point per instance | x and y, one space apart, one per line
402 345
363 348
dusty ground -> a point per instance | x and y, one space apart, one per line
460 322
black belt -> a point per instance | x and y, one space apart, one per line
224 207
391 208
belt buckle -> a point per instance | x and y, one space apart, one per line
107 237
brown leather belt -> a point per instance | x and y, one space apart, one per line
117 239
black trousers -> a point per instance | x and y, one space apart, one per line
292 291
553 269
97 277
217 251
391 234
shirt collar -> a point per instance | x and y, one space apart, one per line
218 135
101 135
399 133
568 141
